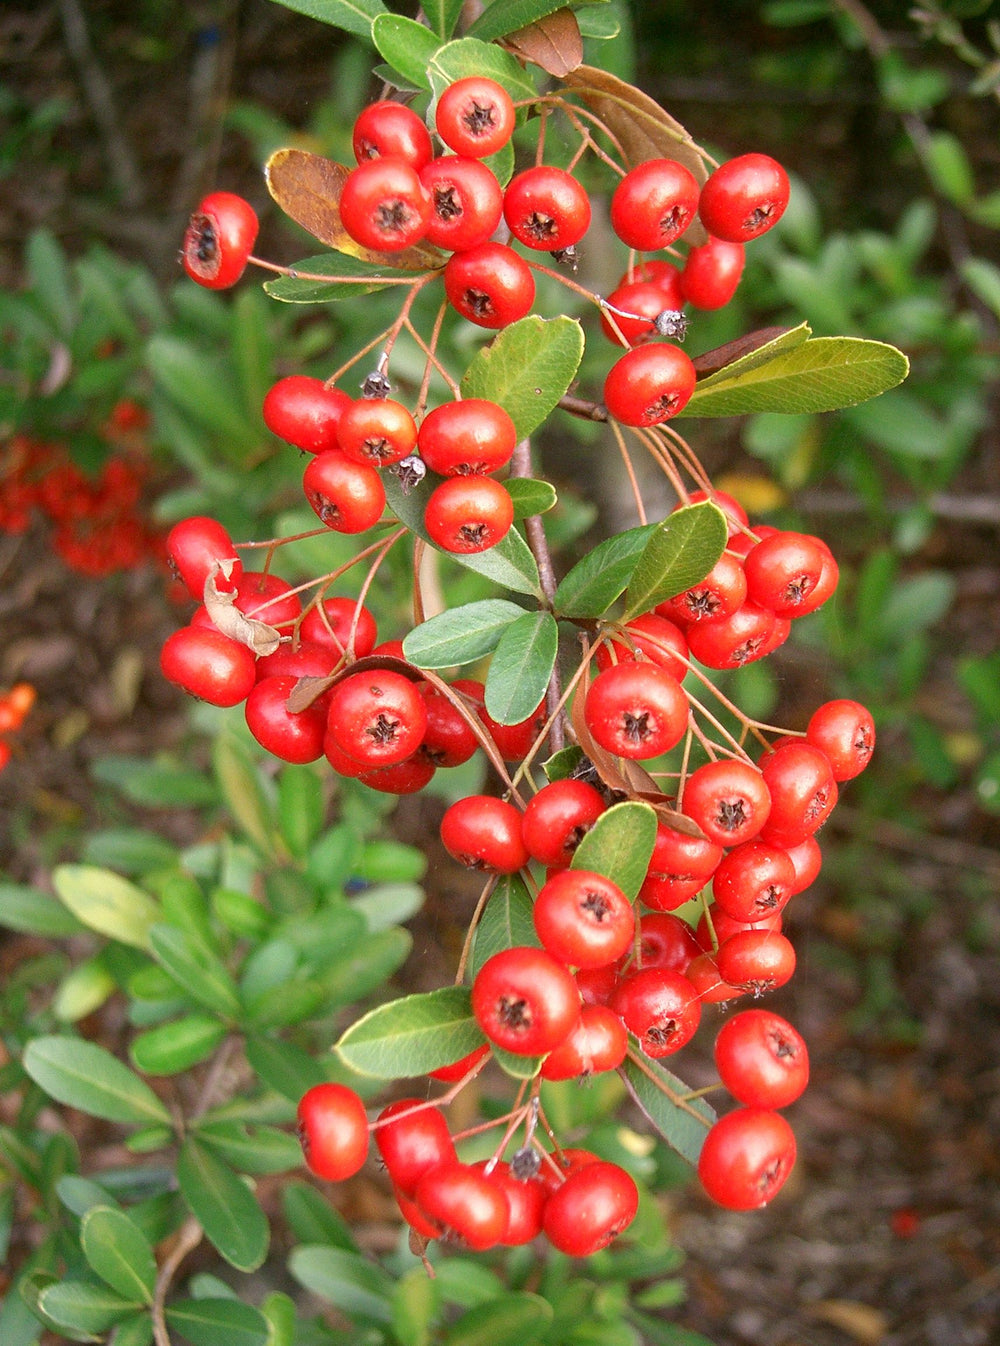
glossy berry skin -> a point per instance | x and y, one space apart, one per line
402 778
665 941
660 1007
761 1059
384 205
294 737
468 438
557 819
267 597
482 832
307 660
525 1001
490 285
208 665
378 717
746 1158
711 274
468 514
722 592
303 411
333 1130
636 710
514 741
546 208
412 1139
388 130
475 116
590 1209
656 637
466 202
455 1071
464 1205
744 198
339 624
679 867
643 301
742 637
376 431
704 976
723 925
598 1043
648 385
525 1204
664 275
791 574
653 204
845 731
448 739
346 496
753 880
728 800
194 547
583 918
218 241
803 792
807 861
756 960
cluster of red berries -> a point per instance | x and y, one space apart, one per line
14 707
99 523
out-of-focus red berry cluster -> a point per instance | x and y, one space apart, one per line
14 707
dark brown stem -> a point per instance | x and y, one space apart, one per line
582 407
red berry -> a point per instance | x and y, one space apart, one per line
387 130
636 710
219 239
598 1043
722 925
558 818
664 275
665 941
660 1007
267 598
377 717
648 385
546 208
294 737
525 1001
514 741
377 431
643 301
845 732
475 116
466 202
728 800
468 514
208 665
712 273
679 867
305 412
590 1209
653 204
721 593
464 1205
339 624
194 547
482 832
490 285
402 778
744 198
743 637
761 1059
756 960
455 1071
525 1204
790 573
803 791
412 1138
467 438
807 860
753 880
703 974
384 205
583 918
448 738
656 637
333 1130
746 1158
348 497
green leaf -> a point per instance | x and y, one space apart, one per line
530 497
298 289
129 850
119 1252
154 784
619 845
516 1066
85 1076
416 1303
195 969
236 772
517 1319
84 989
682 1126
468 56
107 903
261 1149
563 763
527 368
521 667
506 923
507 16
190 378
460 635
354 16
409 47
983 279
442 15
949 167
34 913
596 581
821 374
413 1035
223 1205
218 1322
301 807
83 1306
312 1219
509 564
50 281
283 1066
363 969
680 552
136 1331
356 1286
178 1045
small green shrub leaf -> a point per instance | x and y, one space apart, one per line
408 46
517 1319
619 846
137 1331
83 1305
679 553
83 1075
241 787
468 56
527 368
530 496
218 1322
596 581
283 1066
119 1252
353 16
506 922
129 850
683 1125
258 1149
305 289
223 1205
107 903
460 635
521 667
516 1066
365 968
356 1286
34 913
172 1047
301 807
195 969
312 1219
413 1035
416 1303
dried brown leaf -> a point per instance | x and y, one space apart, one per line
256 635
307 187
865 1324
711 362
554 43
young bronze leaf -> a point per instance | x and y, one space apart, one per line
307 187
714 361
553 43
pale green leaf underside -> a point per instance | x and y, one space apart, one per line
678 1124
107 903
460 635
83 1075
353 16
